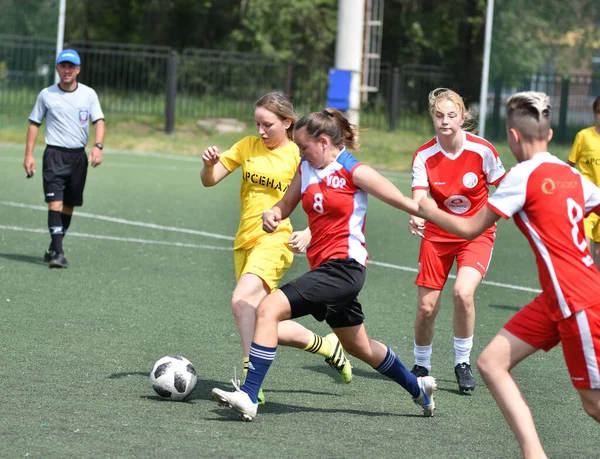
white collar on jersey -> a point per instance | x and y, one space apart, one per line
453 156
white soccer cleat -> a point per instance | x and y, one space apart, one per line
238 400
427 386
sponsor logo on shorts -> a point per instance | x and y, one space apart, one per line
49 194
83 115
458 204
419 267
578 379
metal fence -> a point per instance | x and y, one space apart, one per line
25 63
571 98
156 80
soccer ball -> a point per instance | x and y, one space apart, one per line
173 377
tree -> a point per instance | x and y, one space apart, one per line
528 37
29 17
302 31
175 23
448 34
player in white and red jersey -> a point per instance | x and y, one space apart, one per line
548 201
333 187
456 168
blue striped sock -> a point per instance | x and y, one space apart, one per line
261 358
393 368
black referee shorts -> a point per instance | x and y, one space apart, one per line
329 292
64 173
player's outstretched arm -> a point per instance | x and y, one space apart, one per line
467 228
416 224
282 210
213 171
371 181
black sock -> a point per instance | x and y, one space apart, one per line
66 222
56 230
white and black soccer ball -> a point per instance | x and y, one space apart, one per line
173 377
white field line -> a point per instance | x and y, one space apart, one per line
199 246
187 158
401 177
120 239
108 164
122 221
452 276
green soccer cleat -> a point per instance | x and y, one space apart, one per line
337 360
261 397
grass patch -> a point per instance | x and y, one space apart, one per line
79 343
380 148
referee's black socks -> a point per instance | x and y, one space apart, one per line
66 222
55 227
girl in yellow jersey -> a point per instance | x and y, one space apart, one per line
269 162
585 155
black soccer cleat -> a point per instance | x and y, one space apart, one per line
49 255
419 371
464 377
58 261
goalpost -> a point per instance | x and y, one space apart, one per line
358 49
60 35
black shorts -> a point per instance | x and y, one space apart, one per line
329 292
64 173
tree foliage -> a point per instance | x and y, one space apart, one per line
301 31
554 34
528 36
431 32
28 17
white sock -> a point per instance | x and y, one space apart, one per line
423 355
462 350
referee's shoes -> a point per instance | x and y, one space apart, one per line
55 259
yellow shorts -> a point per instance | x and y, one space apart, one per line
592 227
269 259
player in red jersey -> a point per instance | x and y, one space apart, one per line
548 201
456 167
333 187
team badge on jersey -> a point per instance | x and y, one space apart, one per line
470 180
83 115
458 204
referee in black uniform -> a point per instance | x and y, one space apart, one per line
68 108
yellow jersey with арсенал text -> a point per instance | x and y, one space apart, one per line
266 176
585 154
